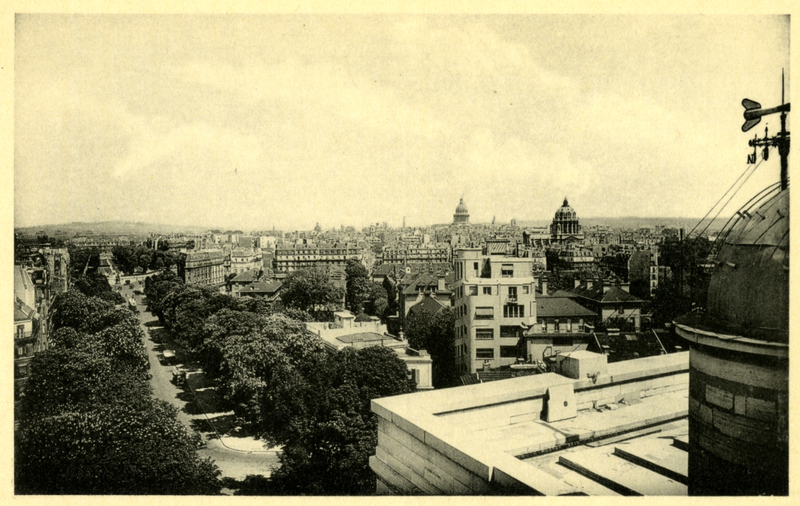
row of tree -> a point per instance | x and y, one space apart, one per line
129 258
283 384
88 423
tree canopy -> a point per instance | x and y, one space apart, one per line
435 333
358 286
311 290
88 422
328 431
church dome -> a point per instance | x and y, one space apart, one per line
565 212
748 292
462 213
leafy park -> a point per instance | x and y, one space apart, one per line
89 424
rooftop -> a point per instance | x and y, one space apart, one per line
516 436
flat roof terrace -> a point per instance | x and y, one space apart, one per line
544 434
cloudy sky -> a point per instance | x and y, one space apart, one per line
255 121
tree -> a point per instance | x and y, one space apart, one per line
330 432
251 362
358 286
311 290
94 284
377 303
73 309
435 333
112 449
391 296
157 288
71 379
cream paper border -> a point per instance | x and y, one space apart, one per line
9 8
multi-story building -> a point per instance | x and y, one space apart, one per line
30 330
245 259
292 257
573 259
566 227
207 268
416 253
494 301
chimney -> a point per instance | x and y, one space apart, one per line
441 284
544 287
607 283
589 283
637 323
577 282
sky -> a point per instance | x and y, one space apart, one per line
285 121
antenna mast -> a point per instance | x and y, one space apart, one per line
752 116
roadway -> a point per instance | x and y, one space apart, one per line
236 457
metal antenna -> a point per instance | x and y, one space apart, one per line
752 115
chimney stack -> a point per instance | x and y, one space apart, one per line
589 283
441 287
544 287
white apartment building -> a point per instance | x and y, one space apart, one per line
495 300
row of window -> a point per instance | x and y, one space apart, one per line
488 353
505 331
509 311
512 292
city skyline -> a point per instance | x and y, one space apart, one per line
290 120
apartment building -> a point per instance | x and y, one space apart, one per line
494 301
292 257
207 268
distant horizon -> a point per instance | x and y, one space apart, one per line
520 223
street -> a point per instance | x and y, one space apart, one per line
236 457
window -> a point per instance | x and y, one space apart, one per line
508 352
473 290
507 270
484 333
475 266
484 313
487 290
509 331
513 311
484 353
512 293
526 290
20 331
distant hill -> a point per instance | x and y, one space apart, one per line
108 228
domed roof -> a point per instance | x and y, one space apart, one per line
565 212
748 293
462 207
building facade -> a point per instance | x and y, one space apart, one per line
206 268
292 257
566 227
494 301
244 259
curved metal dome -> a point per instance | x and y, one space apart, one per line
462 207
748 293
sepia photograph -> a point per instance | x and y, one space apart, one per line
396 252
